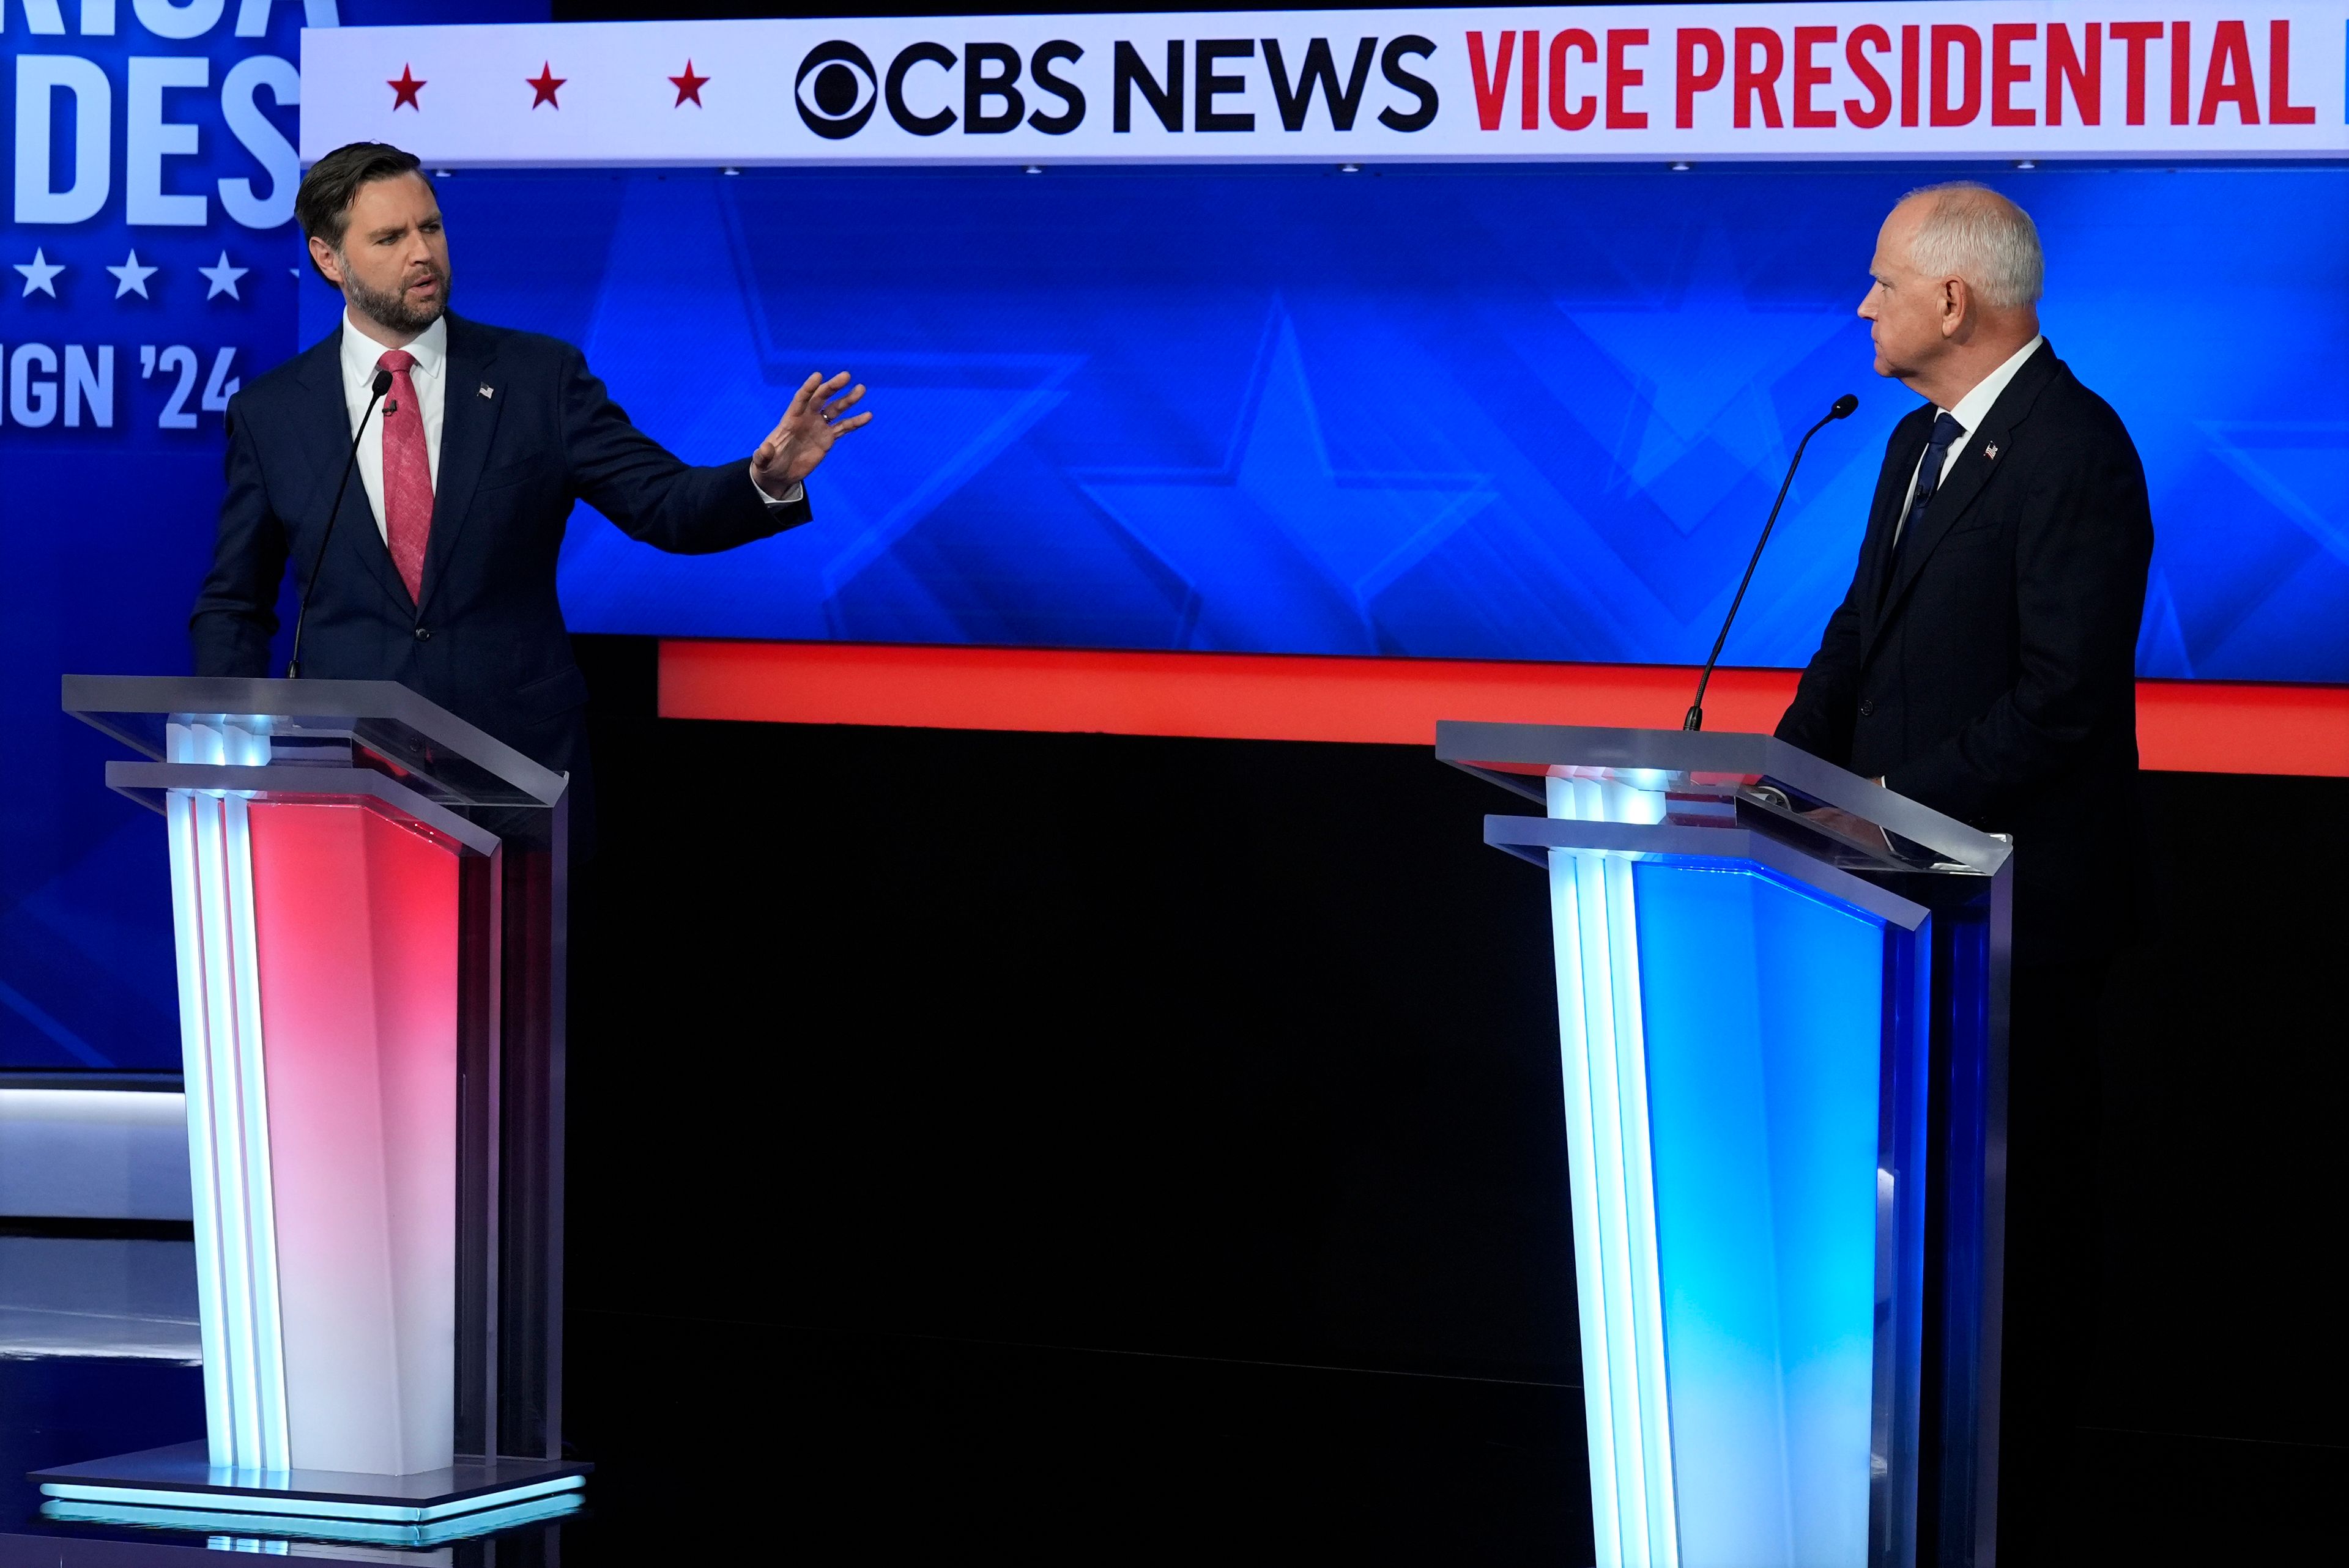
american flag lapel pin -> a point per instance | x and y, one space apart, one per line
490 391
1990 451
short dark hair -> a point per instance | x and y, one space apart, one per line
323 205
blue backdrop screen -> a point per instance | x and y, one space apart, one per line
1453 412
1507 413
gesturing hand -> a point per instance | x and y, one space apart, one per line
805 433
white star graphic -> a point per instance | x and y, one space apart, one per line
131 278
40 273
222 277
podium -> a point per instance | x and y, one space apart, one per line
1782 1006
368 898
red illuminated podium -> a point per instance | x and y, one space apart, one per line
368 900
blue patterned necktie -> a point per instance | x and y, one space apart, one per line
1946 432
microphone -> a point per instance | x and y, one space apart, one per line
377 388
1841 409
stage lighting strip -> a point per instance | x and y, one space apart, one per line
238 1531
309 1507
1603 1053
245 1422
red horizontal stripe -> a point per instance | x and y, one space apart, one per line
2230 726
2182 726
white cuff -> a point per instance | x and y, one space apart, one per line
797 493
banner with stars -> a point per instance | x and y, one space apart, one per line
1864 79
148 269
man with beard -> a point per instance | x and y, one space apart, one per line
470 468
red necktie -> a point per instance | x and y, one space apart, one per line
407 473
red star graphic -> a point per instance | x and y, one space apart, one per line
545 82
688 85
405 89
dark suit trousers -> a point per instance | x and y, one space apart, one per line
2051 1254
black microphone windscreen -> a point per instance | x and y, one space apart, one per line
382 383
1843 407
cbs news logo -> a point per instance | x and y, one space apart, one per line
1200 85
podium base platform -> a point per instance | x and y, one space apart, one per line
176 1488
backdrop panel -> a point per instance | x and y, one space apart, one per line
149 267
1468 412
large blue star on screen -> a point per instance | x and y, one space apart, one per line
1704 368
2254 586
2301 468
943 415
1280 548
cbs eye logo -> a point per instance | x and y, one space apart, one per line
835 89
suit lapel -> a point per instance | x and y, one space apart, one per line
468 422
326 440
1969 472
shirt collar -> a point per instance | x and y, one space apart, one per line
361 352
1975 405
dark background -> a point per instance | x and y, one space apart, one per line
896 1041
1248 1051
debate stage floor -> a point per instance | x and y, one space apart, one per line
724 1442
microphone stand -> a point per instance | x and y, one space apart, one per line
381 385
1842 408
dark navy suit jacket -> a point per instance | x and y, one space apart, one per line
485 638
1993 678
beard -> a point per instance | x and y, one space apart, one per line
392 311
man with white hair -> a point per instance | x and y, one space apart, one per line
1983 662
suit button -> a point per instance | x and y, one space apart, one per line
1867 708
423 633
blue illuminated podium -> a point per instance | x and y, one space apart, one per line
1782 1009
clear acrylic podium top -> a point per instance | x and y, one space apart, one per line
1701 785
379 723
374 743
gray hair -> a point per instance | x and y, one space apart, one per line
1971 231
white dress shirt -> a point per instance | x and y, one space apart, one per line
1971 410
430 376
